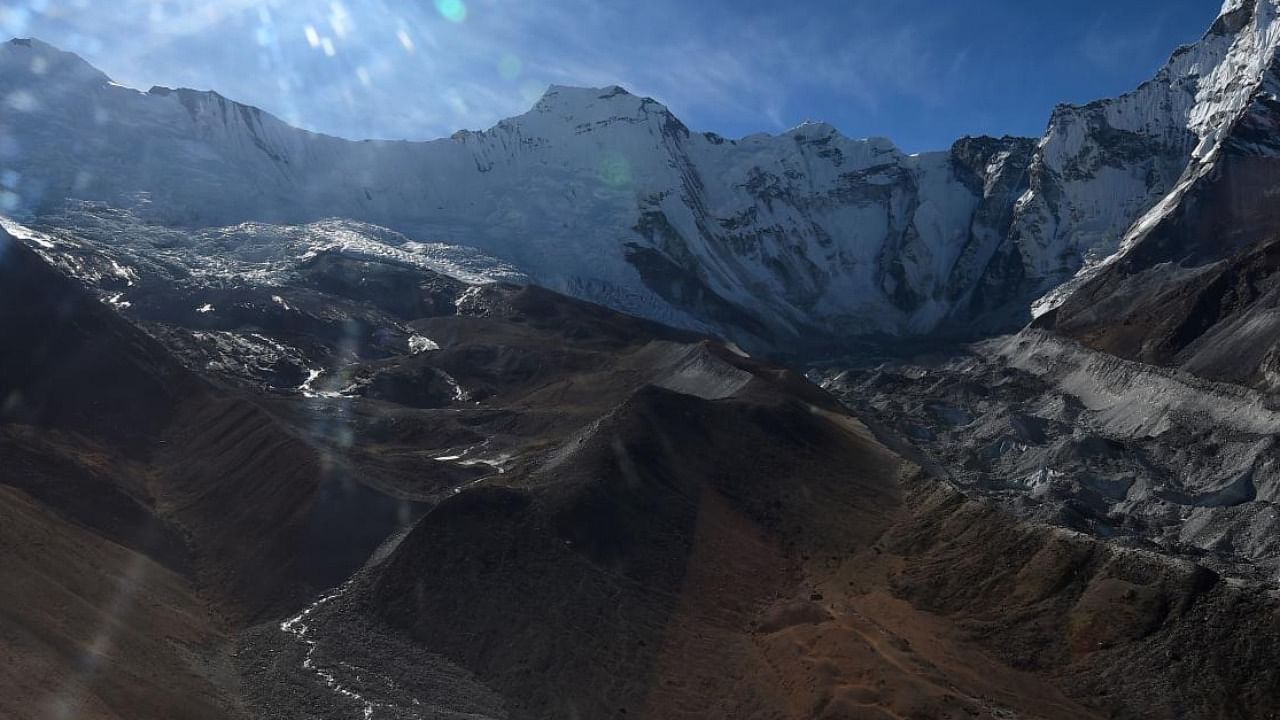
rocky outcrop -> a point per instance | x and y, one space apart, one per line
1194 284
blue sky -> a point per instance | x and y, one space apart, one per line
922 72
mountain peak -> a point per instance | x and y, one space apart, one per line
575 93
815 127
30 44
603 93
1234 6
33 47
578 102
582 107
1236 14
29 56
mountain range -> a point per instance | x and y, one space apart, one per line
592 415
803 239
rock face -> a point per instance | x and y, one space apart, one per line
787 241
1194 283
1102 166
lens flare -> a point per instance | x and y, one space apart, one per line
405 40
452 10
510 67
615 171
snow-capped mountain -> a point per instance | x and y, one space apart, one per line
289 429
1194 283
608 196
1137 153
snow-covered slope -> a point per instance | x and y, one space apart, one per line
1196 281
1107 172
286 307
772 240
594 191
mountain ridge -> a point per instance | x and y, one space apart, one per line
784 242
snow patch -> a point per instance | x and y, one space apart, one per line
419 344
22 232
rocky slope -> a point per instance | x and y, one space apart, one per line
1193 285
1177 457
540 508
1104 165
775 241
1051 430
